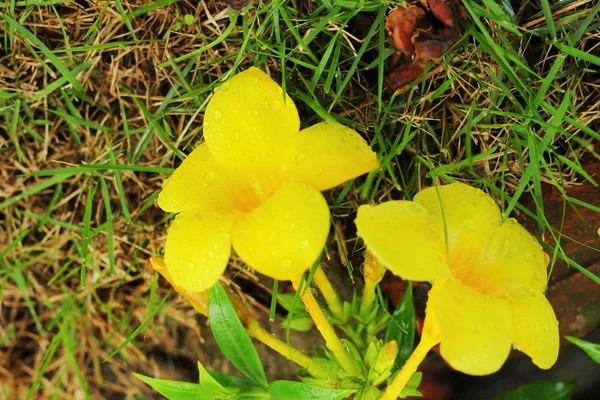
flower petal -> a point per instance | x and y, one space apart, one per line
467 211
198 249
249 124
475 328
514 257
330 154
199 182
405 238
535 328
285 235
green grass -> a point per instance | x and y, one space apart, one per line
99 105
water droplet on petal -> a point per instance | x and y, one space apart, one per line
224 86
216 148
304 244
235 137
413 208
300 157
509 250
253 142
199 282
191 266
546 259
216 115
206 124
271 238
209 177
292 227
491 202
276 105
528 256
211 255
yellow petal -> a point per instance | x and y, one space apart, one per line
470 216
198 248
250 124
199 182
535 328
285 235
328 155
475 328
405 238
465 210
514 257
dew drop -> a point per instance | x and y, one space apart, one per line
304 244
300 157
509 250
191 266
216 148
199 282
414 208
224 86
292 227
276 105
271 238
209 177
254 81
211 255
528 256
206 124
491 202
546 259
253 142
235 137
209 136
216 115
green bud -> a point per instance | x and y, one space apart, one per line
372 351
382 367
300 323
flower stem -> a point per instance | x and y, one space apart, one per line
331 297
256 331
333 342
430 338
200 303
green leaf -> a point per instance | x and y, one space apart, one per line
592 349
547 390
231 336
188 19
208 382
175 390
401 327
232 381
289 390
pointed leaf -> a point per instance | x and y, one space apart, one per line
401 327
208 382
232 381
289 390
231 336
592 349
175 390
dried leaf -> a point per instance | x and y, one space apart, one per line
404 74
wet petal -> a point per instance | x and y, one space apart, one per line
328 155
468 212
405 238
249 124
476 328
535 328
285 235
199 182
514 257
198 249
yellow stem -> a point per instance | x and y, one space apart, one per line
200 303
429 338
333 342
289 352
331 297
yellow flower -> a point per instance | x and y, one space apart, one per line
255 184
488 276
